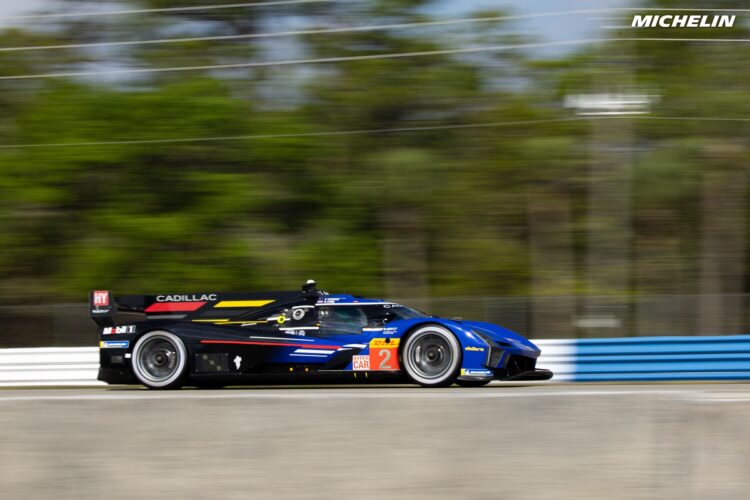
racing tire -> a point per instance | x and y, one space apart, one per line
432 356
472 383
160 360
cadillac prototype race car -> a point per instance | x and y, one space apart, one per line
213 340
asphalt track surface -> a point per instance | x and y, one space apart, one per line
537 441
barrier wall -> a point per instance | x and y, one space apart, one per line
648 358
558 356
64 366
584 360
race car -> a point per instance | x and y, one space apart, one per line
212 340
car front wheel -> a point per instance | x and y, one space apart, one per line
432 356
160 360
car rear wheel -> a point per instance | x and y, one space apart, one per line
160 360
432 356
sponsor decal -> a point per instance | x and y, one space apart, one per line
114 344
472 348
384 359
328 300
298 313
391 330
384 343
237 361
298 333
101 298
384 354
116 330
476 373
682 21
360 363
206 297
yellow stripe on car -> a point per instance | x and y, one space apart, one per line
243 303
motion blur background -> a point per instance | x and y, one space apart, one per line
435 152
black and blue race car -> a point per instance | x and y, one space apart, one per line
214 340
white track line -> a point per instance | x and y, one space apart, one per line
721 397
344 394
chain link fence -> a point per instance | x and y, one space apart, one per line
68 325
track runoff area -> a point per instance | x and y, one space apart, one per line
522 441
717 392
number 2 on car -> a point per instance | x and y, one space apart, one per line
384 356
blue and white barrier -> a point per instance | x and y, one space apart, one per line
558 356
647 359
630 359
49 366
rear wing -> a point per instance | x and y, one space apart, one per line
103 306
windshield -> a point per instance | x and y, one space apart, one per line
342 320
403 312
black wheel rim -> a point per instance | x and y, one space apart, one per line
158 359
431 356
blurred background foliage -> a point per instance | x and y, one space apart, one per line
330 186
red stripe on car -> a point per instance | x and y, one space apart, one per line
174 307
282 344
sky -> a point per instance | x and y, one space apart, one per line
553 28
543 29
573 26
16 8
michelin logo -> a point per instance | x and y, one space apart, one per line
476 373
682 21
114 344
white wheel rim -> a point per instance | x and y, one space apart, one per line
159 358
425 357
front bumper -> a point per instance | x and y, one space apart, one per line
537 374
505 375
506 361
